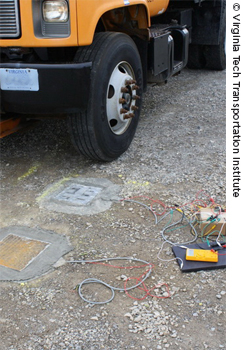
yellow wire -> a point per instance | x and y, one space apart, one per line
209 230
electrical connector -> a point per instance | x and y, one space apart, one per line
207 217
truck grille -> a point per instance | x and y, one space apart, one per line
9 19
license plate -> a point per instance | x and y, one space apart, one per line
19 79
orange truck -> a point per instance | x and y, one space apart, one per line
91 60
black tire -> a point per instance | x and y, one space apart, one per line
216 54
101 132
196 58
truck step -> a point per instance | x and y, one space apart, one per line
168 49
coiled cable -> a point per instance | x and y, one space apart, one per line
112 288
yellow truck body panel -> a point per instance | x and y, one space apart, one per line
84 17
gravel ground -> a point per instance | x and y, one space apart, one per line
178 150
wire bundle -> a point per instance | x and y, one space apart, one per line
140 280
192 220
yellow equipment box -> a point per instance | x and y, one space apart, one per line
201 255
212 226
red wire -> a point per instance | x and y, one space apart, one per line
138 279
196 202
147 291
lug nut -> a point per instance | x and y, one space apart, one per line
124 89
128 116
122 100
135 87
134 108
135 97
123 110
129 82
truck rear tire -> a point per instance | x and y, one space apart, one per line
210 56
196 57
106 128
215 55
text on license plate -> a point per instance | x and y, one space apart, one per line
19 79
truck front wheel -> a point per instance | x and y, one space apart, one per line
106 128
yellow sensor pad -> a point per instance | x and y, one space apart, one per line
201 255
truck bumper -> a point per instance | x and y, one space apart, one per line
62 88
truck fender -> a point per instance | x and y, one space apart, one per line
89 16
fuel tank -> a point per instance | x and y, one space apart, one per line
157 7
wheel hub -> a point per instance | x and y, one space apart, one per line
121 98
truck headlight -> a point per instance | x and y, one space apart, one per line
55 11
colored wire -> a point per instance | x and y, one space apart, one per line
140 279
166 240
197 204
